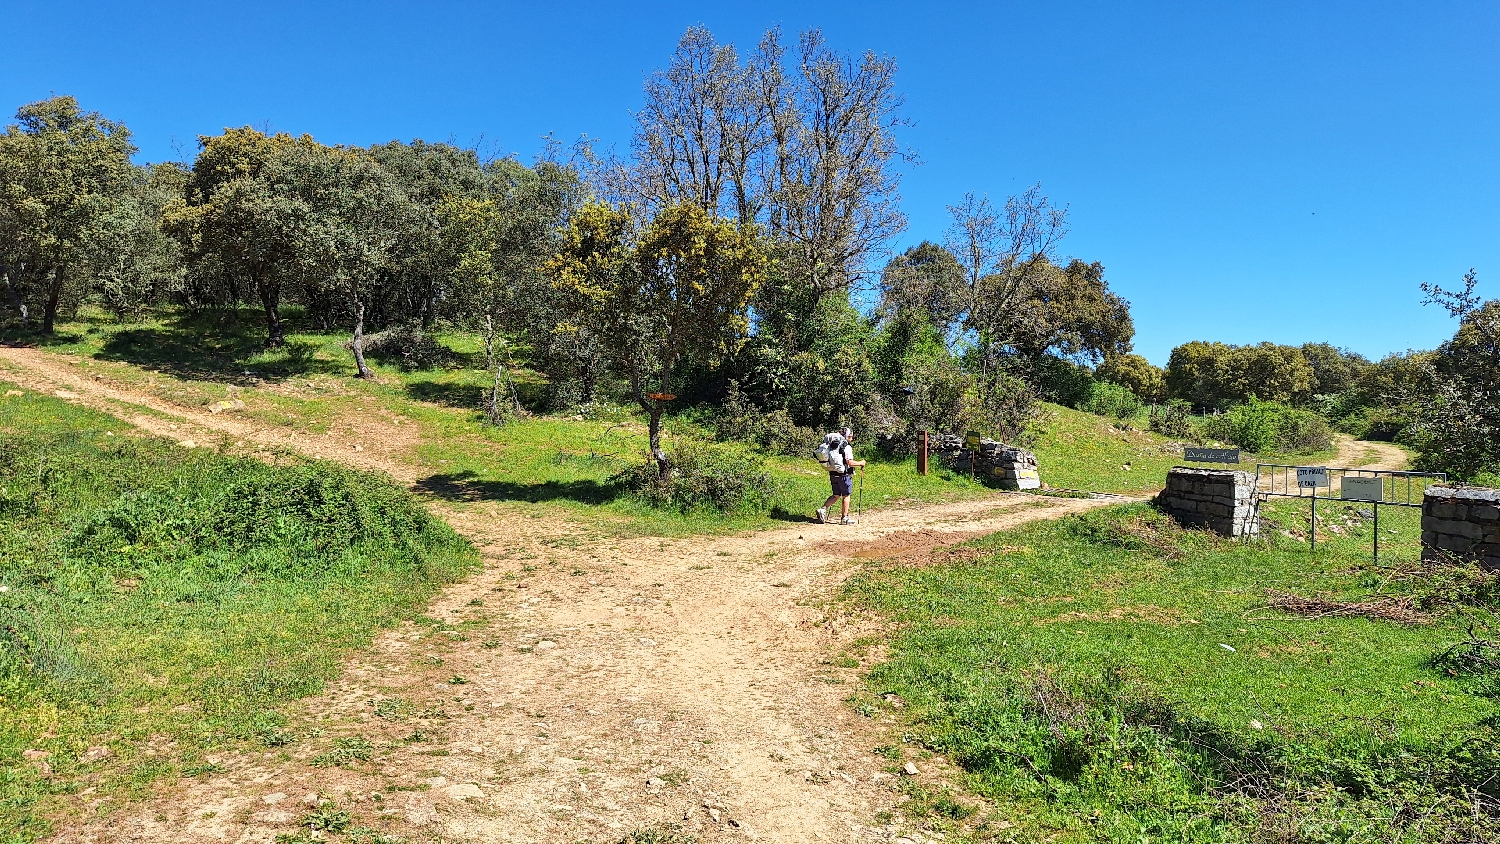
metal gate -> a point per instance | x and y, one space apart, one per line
1395 489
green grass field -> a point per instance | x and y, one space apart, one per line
1110 677
559 462
161 603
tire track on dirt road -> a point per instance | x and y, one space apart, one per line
582 685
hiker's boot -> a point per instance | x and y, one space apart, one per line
847 520
823 515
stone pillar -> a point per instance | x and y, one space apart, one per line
1010 467
1462 523
1222 500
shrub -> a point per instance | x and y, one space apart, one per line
1173 419
775 432
1264 426
1108 399
1006 407
704 476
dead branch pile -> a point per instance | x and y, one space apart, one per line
1397 609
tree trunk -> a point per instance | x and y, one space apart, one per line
270 301
362 371
492 360
54 295
663 463
15 298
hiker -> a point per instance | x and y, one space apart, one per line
841 464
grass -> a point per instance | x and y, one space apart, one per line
160 603
1110 677
564 463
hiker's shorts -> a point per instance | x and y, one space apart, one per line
842 484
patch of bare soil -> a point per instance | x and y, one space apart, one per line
579 687
1367 454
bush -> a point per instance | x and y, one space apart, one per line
1264 426
1007 408
704 476
1173 419
739 420
1108 399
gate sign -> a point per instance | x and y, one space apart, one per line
1312 477
1211 455
1363 489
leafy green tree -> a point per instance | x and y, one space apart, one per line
352 215
134 264
676 288
1216 375
1268 372
420 275
1069 312
1459 420
63 172
1195 373
1335 370
239 228
926 280
499 244
1136 374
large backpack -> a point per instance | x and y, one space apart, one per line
830 454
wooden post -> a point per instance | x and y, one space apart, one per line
922 456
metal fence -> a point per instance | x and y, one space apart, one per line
1397 489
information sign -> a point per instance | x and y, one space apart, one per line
1312 477
1363 489
972 439
1211 455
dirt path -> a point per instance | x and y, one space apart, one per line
1350 454
1367 454
378 445
582 687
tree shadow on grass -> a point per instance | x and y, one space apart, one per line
214 347
461 396
468 486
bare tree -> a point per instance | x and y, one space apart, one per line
807 154
836 200
694 125
1004 252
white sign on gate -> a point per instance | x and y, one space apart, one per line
1312 477
1363 489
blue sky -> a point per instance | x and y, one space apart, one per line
1245 171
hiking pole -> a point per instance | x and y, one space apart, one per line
859 506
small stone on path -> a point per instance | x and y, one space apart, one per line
645 643
655 782
273 799
545 645
909 769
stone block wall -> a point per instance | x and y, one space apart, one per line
1013 468
1222 500
1462 522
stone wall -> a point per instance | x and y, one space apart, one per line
1011 467
1462 522
1222 500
